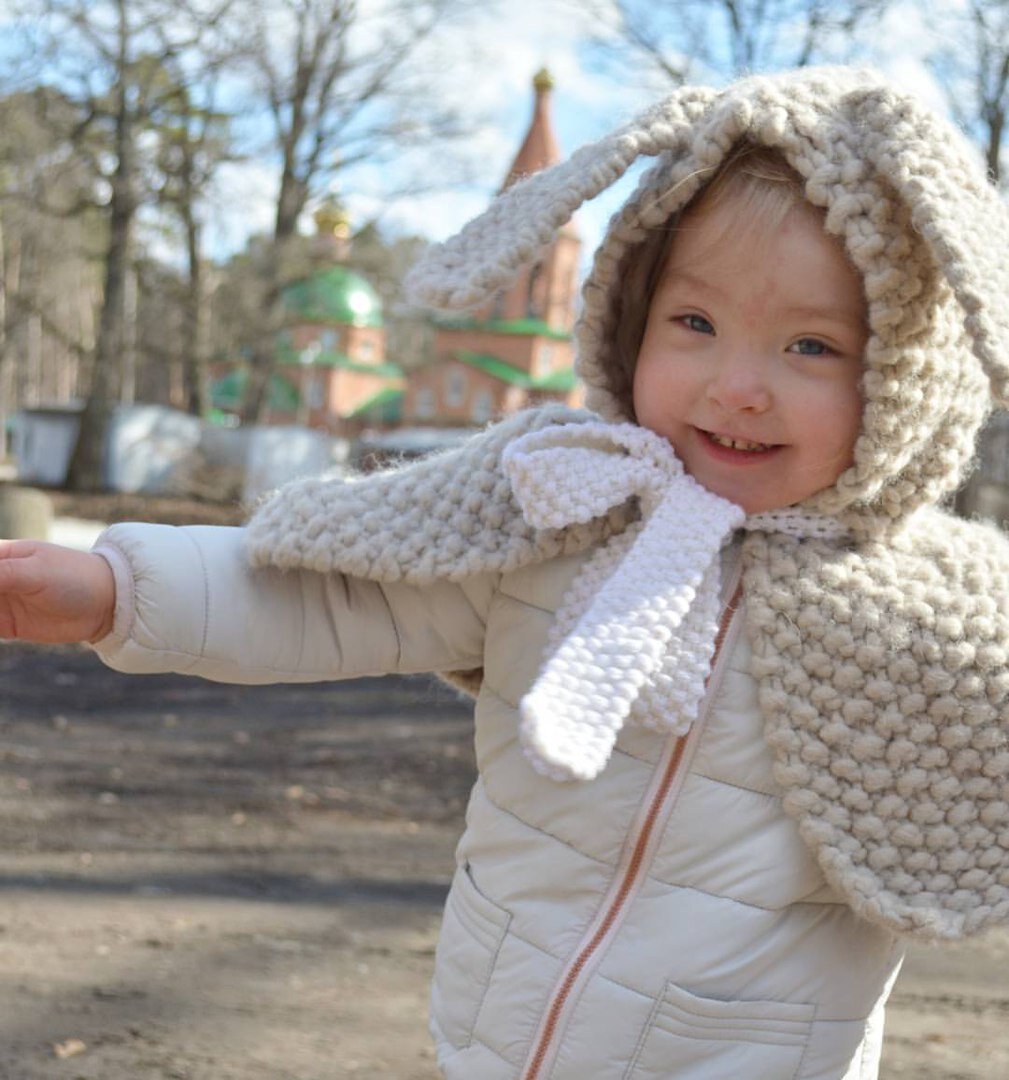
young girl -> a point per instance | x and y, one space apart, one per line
742 687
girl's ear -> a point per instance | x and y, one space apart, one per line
488 254
956 211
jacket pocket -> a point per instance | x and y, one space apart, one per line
695 1038
472 931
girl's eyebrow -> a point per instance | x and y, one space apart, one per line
829 311
688 278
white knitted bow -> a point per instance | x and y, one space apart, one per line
635 634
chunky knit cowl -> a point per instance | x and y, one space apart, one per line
881 649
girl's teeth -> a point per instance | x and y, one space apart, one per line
738 444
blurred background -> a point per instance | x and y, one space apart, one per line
207 208
206 211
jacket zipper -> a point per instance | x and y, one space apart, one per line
639 854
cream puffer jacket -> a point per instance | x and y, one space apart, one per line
664 920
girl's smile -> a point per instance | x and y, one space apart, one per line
751 357
734 448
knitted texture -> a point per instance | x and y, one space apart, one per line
903 191
881 659
641 618
883 674
881 666
447 516
635 635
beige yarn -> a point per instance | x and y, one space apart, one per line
883 675
902 189
882 662
449 516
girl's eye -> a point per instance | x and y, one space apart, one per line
698 323
810 347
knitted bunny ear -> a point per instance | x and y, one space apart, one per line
491 250
956 211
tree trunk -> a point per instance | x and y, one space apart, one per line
129 361
257 397
194 360
86 472
290 203
34 358
994 153
263 355
87 466
6 405
262 361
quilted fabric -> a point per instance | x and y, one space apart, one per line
881 658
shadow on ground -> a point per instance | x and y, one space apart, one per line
208 882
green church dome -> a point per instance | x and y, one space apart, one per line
335 295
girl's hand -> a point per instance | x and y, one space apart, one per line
54 594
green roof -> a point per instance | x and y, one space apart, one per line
286 354
559 381
334 295
562 381
387 404
229 392
219 418
529 327
387 371
493 366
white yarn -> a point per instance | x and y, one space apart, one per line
635 634
801 524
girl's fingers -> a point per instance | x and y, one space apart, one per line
17 575
18 549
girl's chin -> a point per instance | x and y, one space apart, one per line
750 497
743 486
738 476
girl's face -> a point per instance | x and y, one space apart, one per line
752 356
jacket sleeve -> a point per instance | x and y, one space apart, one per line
188 601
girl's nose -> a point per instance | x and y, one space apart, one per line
739 386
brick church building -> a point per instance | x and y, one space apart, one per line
331 370
517 351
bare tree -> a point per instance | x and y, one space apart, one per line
974 73
194 140
971 62
109 58
48 282
340 86
717 39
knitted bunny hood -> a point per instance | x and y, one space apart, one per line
880 650
903 191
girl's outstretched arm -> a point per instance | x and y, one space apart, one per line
188 601
54 594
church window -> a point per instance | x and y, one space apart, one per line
483 407
534 305
314 395
425 403
455 388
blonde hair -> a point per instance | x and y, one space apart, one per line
763 187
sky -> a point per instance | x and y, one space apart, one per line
495 63
494 60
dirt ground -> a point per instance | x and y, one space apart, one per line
204 882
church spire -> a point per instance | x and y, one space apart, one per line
539 149
333 224
515 350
